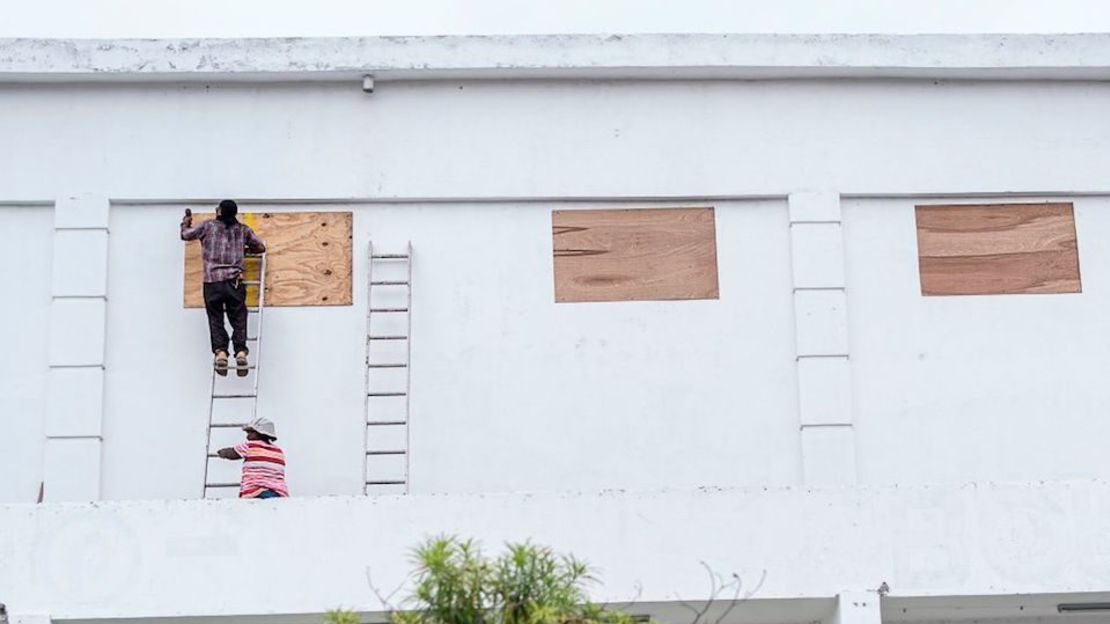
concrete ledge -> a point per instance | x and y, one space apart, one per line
659 56
130 559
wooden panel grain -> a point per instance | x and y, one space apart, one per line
308 259
991 249
635 254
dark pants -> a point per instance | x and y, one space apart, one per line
230 297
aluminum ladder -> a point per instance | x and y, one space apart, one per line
386 438
255 356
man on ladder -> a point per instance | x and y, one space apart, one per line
224 241
263 461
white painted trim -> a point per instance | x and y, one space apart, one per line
78 332
822 347
609 57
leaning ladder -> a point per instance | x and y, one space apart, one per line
256 357
399 420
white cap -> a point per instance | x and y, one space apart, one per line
263 426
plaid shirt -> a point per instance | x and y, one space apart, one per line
222 247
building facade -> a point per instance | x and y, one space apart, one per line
877 358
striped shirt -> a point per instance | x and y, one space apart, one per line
263 468
222 247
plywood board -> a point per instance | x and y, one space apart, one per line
308 259
635 254
994 249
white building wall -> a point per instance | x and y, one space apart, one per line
554 139
511 392
484 274
25 261
974 388
950 545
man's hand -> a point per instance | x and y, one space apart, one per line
187 221
228 453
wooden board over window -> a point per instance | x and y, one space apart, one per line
308 259
995 249
635 255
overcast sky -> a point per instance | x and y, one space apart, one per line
268 18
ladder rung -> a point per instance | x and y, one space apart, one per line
395 452
389 309
213 455
253 255
226 425
231 367
390 482
385 394
252 310
387 337
250 282
387 365
252 338
390 283
380 423
234 396
216 485
389 256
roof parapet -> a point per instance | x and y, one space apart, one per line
604 57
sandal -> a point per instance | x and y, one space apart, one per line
221 363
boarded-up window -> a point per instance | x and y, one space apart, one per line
997 249
308 259
639 254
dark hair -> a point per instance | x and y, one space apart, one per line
265 438
228 210
229 206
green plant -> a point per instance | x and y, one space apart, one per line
528 584
340 616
